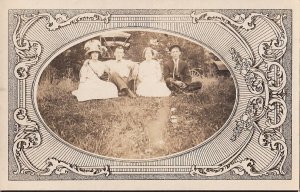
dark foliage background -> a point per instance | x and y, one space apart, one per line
69 62
139 127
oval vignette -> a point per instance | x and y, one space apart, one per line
141 127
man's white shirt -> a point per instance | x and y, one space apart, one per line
121 67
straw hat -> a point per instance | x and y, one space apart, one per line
94 46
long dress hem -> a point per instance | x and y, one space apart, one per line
151 83
90 86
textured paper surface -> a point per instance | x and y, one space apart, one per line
256 183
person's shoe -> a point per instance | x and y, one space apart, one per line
130 93
122 93
173 93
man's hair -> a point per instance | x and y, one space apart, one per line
175 46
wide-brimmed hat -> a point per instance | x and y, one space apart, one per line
94 45
175 46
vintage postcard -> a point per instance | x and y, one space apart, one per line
150 95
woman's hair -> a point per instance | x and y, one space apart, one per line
154 52
119 47
89 55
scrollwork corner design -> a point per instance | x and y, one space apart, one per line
58 167
246 166
266 110
238 21
27 136
268 50
62 20
274 140
275 48
267 86
239 168
28 51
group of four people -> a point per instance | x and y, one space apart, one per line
130 78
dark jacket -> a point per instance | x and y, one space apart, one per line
183 71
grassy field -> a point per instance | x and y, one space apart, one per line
136 128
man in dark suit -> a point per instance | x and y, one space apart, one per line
177 73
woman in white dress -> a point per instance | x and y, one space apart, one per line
151 83
91 86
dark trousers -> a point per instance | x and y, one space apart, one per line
193 86
122 82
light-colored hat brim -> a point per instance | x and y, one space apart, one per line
89 51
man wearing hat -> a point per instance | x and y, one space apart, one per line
177 73
122 72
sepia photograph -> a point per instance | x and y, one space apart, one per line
136 94
150 95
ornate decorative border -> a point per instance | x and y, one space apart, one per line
267 87
265 78
27 133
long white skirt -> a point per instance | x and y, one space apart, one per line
92 89
153 89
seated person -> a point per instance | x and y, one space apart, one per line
151 83
122 73
177 73
91 86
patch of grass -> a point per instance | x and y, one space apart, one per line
201 115
107 127
116 127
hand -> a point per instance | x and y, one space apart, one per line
135 70
135 74
180 84
171 80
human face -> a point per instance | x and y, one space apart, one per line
175 53
148 54
119 54
94 55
